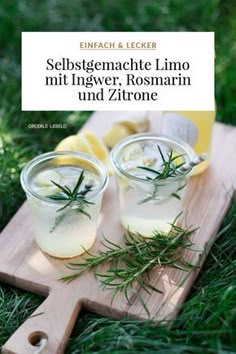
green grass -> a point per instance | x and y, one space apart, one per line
207 322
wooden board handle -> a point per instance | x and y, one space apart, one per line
53 320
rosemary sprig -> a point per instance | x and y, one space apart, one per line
75 198
131 265
169 169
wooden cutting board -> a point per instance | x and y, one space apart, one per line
25 266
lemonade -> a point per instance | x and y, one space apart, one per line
156 213
60 230
149 204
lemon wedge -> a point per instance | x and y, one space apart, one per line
87 142
116 133
136 122
74 143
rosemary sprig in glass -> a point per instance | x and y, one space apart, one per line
75 198
131 265
169 169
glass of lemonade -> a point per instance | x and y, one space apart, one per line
64 231
150 203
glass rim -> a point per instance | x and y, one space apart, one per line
190 153
24 176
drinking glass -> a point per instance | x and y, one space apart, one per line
63 231
147 203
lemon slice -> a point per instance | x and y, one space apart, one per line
44 178
47 191
133 152
179 159
89 143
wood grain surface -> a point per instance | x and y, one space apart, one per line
25 266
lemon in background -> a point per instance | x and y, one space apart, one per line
87 142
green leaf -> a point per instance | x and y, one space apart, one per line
76 199
129 267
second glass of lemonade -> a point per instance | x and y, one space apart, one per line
64 228
148 201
